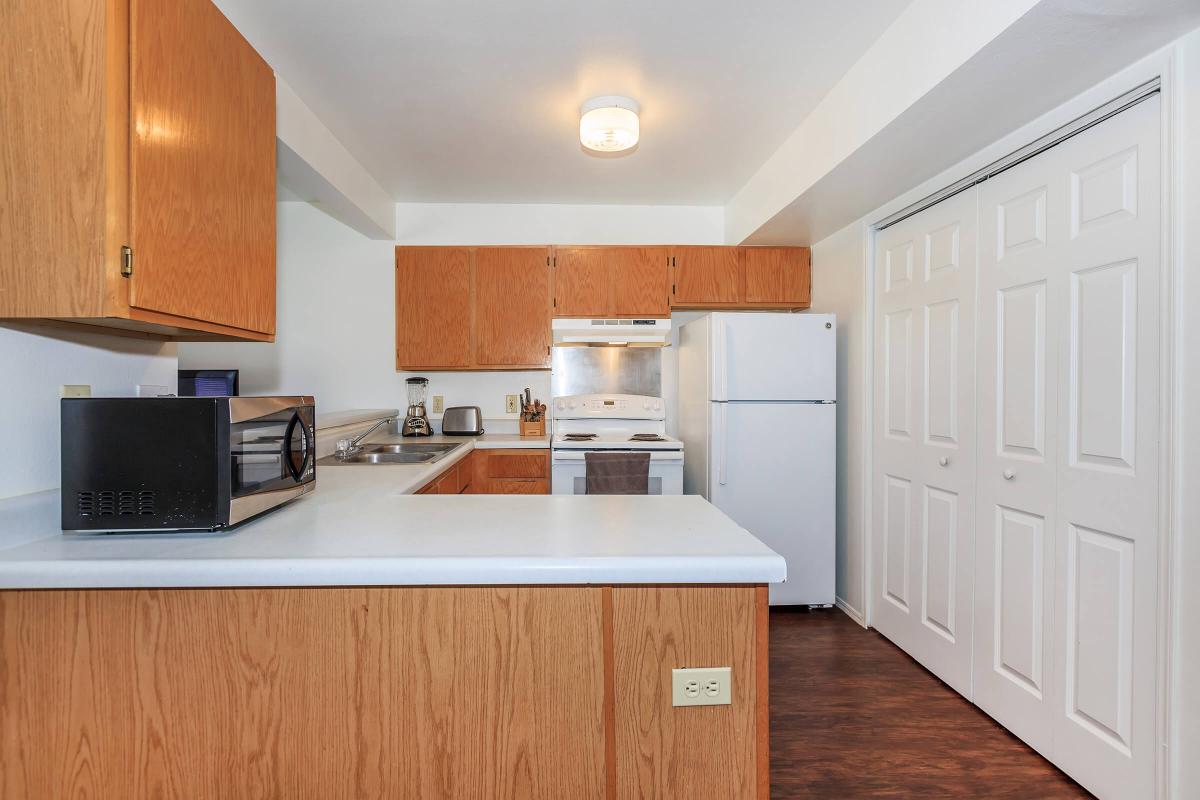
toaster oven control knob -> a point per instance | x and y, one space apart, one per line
646 405
571 404
658 405
559 405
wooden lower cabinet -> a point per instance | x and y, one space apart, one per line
448 692
487 471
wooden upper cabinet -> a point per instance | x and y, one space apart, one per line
777 276
140 125
611 282
705 276
581 282
202 167
640 282
433 307
512 307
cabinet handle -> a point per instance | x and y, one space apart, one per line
1009 474
943 461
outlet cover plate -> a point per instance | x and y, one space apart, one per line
439 404
708 686
512 403
75 390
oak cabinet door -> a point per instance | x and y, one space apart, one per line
581 282
640 281
512 307
433 307
780 276
706 276
202 167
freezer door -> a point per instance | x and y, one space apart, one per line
758 356
772 471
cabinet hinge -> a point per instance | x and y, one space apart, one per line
126 260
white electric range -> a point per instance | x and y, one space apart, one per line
607 422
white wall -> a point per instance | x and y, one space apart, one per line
36 362
839 288
336 337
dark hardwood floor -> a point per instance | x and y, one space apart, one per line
853 716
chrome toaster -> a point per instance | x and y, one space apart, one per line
462 421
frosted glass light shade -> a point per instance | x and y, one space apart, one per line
609 124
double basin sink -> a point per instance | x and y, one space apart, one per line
404 453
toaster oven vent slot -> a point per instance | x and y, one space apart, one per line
110 503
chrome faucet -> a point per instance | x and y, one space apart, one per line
348 447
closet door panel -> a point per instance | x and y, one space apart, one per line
925 436
1068 519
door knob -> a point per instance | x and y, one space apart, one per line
943 461
1009 474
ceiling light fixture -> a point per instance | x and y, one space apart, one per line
609 124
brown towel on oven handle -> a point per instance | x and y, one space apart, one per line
617 473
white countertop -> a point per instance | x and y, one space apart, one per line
362 526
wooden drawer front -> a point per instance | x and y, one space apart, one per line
527 464
500 486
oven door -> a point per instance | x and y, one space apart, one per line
568 472
272 444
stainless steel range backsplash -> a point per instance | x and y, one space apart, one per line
606 370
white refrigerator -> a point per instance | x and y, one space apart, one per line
758 417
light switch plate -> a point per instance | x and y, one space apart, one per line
75 390
709 686
439 404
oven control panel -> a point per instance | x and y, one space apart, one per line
614 406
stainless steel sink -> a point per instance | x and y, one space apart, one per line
410 447
404 453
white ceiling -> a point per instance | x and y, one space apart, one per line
477 101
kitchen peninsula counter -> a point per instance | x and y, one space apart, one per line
363 641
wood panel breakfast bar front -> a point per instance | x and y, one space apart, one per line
376 644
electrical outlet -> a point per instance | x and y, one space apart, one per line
439 404
75 390
701 687
512 403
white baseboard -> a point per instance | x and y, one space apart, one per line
850 611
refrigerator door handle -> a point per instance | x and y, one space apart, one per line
723 434
722 348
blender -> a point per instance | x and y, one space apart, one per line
415 421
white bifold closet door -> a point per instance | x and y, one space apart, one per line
1067 527
924 509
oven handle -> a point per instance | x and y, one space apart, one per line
577 456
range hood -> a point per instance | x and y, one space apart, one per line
611 332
